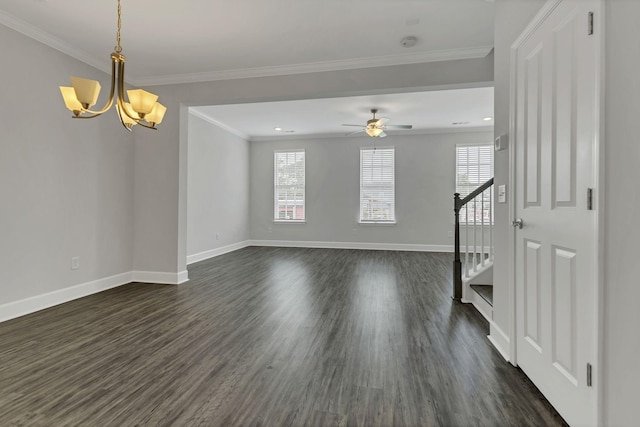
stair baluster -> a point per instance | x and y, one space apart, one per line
485 252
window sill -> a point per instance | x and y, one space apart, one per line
377 222
289 221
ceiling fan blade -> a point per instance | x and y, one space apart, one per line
399 126
353 133
352 125
382 120
382 135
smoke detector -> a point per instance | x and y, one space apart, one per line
409 41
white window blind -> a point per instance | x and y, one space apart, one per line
474 167
289 177
377 185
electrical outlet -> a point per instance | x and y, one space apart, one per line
75 263
217 236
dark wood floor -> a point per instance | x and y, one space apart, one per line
273 337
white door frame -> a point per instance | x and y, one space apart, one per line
599 196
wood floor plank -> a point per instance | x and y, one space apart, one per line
268 337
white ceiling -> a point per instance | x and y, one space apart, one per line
431 111
169 41
199 40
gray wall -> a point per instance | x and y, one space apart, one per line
425 183
218 188
160 172
511 18
65 185
621 373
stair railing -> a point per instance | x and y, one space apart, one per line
477 209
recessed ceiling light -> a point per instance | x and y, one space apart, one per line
278 129
487 119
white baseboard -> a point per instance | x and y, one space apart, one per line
500 340
183 277
50 299
216 252
159 277
352 245
40 302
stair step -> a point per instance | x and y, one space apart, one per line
485 291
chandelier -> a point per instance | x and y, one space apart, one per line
142 108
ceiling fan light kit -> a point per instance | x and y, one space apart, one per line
376 127
375 132
142 109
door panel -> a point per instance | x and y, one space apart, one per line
563 283
532 285
533 76
564 115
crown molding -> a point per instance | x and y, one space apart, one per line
278 70
221 125
396 132
314 67
53 42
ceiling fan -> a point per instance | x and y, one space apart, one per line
375 127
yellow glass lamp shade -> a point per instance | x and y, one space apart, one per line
128 121
87 91
156 115
70 99
374 131
83 94
142 101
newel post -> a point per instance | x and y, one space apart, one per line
457 264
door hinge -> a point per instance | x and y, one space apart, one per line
590 24
589 199
589 370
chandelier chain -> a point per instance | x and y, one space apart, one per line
118 47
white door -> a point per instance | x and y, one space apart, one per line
555 250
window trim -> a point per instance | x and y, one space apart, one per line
275 219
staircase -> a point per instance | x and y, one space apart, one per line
473 249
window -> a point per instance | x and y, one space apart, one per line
474 167
289 186
377 185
